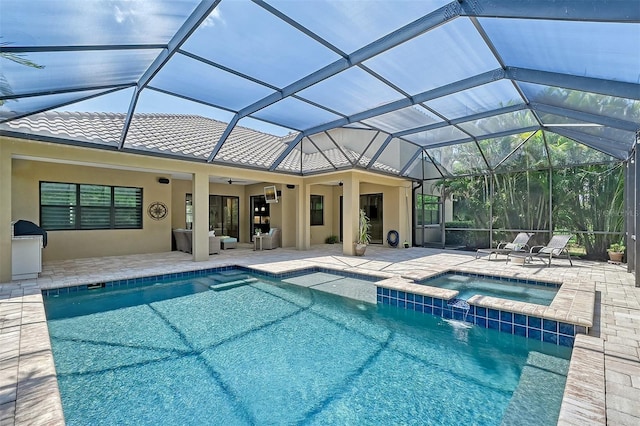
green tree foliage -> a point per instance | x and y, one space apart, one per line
590 198
584 198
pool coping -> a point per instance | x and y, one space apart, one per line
40 399
574 303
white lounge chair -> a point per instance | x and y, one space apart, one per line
556 247
519 243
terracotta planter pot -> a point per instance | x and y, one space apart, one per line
359 249
615 256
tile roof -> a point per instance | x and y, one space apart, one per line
183 135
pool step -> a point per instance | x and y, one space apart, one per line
231 284
527 401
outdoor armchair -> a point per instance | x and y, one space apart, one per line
271 240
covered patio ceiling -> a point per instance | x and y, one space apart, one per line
415 82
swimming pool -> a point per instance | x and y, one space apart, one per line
469 286
266 352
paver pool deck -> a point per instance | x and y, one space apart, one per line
603 385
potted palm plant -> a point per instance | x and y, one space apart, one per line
363 234
616 251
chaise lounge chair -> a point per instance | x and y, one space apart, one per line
556 247
519 243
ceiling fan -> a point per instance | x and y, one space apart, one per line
231 181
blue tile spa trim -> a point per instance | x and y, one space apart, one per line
141 281
490 277
531 327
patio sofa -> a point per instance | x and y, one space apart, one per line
184 241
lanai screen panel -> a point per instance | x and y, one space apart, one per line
250 147
441 56
193 79
322 142
72 123
565 152
438 136
617 137
500 123
316 66
353 142
424 169
396 156
403 119
568 47
476 100
350 92
589 102
532 154
76 70
13 108
459 159
244 37
296 114
351 25
496 150
90 23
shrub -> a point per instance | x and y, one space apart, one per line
331 239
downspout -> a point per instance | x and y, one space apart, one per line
413 214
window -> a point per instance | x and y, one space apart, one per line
78 206
427 209
317 210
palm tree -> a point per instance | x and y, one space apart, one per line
5 87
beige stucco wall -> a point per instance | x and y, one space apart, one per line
288 203
396 202
25 200
24 163
320 232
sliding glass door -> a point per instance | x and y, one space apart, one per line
224 214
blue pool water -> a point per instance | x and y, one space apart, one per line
267 352
469 286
